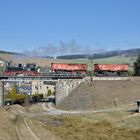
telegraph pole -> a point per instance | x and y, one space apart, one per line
91 67
3 96
91 78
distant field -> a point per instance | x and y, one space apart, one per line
6 57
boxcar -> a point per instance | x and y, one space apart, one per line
65 68
110 69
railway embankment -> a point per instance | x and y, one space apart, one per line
64 87
101 94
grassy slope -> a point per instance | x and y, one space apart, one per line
98 126
78 128
7 131
6 57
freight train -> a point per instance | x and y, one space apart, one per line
98 69
66 68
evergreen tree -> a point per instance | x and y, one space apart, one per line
137 66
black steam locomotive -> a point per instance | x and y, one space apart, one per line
29 69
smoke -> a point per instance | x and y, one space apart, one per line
123 45
64 48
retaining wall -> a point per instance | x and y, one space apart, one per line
64 87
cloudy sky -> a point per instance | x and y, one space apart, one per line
69 26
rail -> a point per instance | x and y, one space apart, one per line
111 78
43 77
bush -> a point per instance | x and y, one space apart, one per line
49 92
130 73
13 94
137 66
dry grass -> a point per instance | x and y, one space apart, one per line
121 125
6 57
16 108
24 60
7 129
40 131
35 108
75 128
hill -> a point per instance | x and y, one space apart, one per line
101 95
8 56
7 52
126 53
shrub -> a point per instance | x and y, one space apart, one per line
49 92
137 66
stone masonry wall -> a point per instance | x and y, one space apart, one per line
1 94
64 87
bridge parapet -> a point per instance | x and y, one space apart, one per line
110 78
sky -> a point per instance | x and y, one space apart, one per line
69 26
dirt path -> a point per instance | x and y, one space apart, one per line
33 135
23 130
50 110
29 127
17 133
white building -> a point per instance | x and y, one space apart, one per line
2 63
42 87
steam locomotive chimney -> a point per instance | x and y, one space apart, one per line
19 65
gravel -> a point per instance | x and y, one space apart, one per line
102 95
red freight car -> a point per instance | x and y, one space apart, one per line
69 68
110 69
